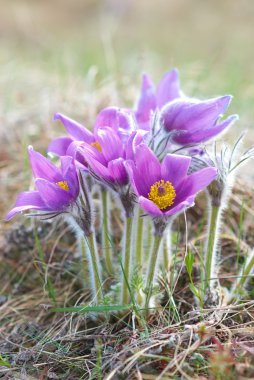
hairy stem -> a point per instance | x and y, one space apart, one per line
139 241
106 231
95 272
213 230
152 266
126 261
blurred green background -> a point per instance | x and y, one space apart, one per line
79 56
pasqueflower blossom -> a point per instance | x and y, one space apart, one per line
151 99
56 188
164 189
191 121
117 119
107 160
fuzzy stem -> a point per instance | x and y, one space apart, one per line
243 278
212 243
152 266
95 267
139 241
106 231
167 248
148 237
126 260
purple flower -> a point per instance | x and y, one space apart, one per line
56 188
151 99
164 189
113 117
107 160
193 121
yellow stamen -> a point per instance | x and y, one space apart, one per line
97 146
162 194
63 185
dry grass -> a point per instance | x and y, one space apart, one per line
76 59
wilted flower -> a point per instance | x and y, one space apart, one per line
57 188
193 121
151 99
165 189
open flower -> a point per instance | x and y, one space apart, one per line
151 99
107 160
117 119
192 121
56 188
164 189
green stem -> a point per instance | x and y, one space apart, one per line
212 243
94 267
126 261
148 237
139 241
152 266
106 244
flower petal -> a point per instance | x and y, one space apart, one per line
27 200
75 129
168 88
174 168
149 207
118 171
60 145
100 170
69 173
146 103
111 144
189 202
120 120
192 115
53 195
206 134
42 167
195 182
148 166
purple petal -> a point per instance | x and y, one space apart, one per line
206 134
174 168
118 171
111 144
189 202
149 207
60 145
70 175
101 171
75 150
27 200
137 184
168 88
42 167
148 167
195 183
133 141
193 116
120 120
53 195
75 129
146 103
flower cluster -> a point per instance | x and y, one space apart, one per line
129 158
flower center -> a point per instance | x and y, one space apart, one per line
97 146
63 185
162 194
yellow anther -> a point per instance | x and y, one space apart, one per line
97 146
162 194
63 185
